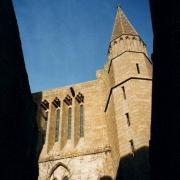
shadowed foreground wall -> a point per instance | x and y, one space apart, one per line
17 110
134 167
165 129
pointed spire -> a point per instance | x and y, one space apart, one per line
122 25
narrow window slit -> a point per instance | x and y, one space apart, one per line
124 93
137 67
128 119
132 147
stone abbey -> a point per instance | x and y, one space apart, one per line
100 129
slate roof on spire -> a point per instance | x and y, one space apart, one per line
122 25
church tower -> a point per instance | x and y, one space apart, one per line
99 130
128 102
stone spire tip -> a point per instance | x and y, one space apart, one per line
122 25
119 6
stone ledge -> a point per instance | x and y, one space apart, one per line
131 78
75 154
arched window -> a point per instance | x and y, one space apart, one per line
59 171
69 123
44 127
44 119
57 125
57 104
81 121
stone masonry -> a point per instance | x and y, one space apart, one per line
87 130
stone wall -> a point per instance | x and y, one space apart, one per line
117 113
90 166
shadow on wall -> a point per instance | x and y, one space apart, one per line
18 129
135 167
165 124
41 131
106 178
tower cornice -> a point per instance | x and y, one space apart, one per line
128 35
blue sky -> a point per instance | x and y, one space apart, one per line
65 41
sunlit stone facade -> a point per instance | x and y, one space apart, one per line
90 130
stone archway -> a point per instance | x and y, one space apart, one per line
59 172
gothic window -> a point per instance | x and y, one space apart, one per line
44 119
128 119
44 128
57 104
132 146
57 125
124 93
59 171
81 121
137 67
80 98
69 122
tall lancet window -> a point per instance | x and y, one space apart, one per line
45 126
81 121
57 104
57 125
44 119
80 100
69 123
